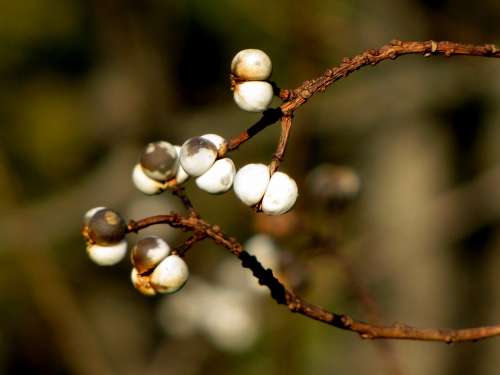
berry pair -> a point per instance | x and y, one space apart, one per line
250 69
156 268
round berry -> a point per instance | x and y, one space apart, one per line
159 161
281 194
181 175
142 283
216 139
144 183
170 275
107 255
251 65
219 178
106 227
253 96
197 156
250 183
148 252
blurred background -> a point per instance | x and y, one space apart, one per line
398 168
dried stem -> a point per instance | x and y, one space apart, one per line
298 305
181 194
292 100
189 243
269 117
391 51
286 125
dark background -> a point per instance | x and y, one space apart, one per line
85 84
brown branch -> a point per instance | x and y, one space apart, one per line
298 305
293 99
189 243
286 125
391 51
269 117
180 193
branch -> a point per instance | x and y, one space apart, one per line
286 125
296 304
391 51
294 98
269 117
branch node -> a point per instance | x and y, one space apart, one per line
306 94
434 46
132 226
396 42
492 49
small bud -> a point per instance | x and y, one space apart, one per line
217 140
253 96
181 176
107 255
159 161
250 183
148 252
142 283
219 178
144 183
170 275
280 195
197 156
251 65
106 227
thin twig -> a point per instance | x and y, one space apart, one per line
391 51
294 98
298 305
286 125
180 193
269 117
189 243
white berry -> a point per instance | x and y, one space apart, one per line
181 175
253 96
107 255
251 65
170 275
144 183
216 139
142 283
197 156
280 195
148 252
219 178
159 161
250 183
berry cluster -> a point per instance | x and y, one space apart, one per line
253 183
162 165
156 268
